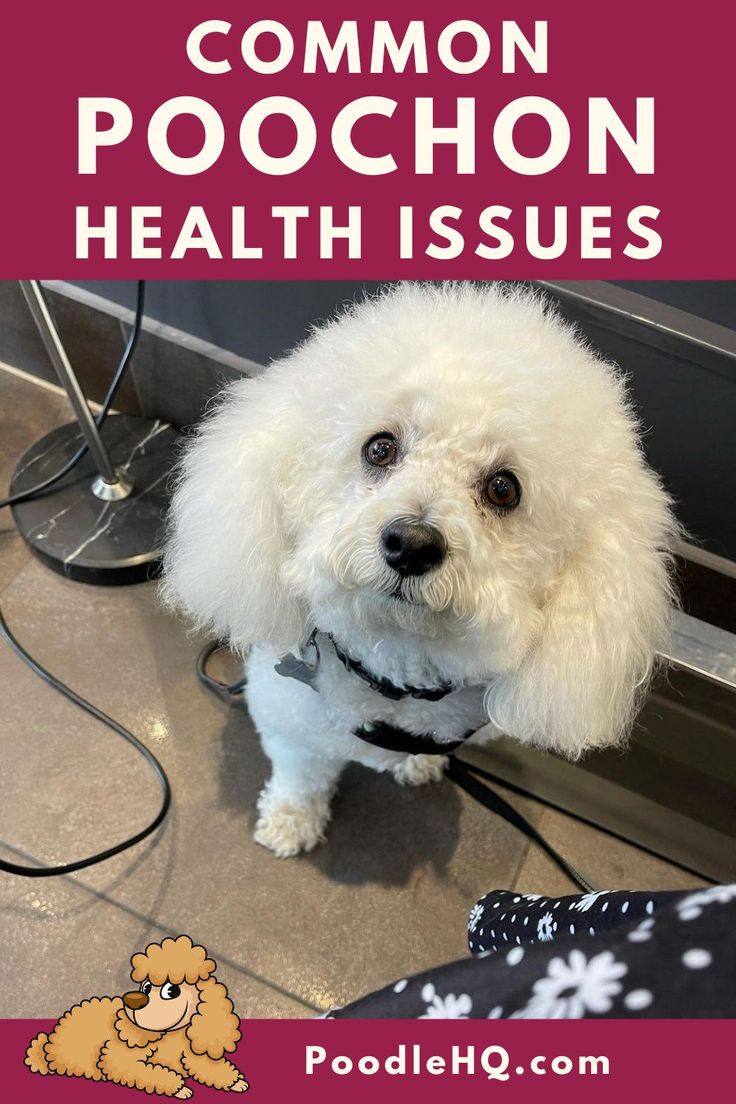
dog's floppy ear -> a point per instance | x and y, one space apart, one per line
226 542
603 621
214 1029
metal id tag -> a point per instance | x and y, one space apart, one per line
291 666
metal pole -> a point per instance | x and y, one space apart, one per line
109 477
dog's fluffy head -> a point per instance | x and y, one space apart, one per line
560 602
214 1028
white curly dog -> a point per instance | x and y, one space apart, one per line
440 503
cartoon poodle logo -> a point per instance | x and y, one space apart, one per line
178 1024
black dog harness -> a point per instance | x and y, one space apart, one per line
379 734
385 687
390 738
464 774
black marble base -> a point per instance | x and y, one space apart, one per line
78 534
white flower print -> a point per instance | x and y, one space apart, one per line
642 932
588 900
697 958
445 1008
475 914
575 987
546 928
691 907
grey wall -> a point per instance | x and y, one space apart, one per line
255 319
686 396
261 319
711 299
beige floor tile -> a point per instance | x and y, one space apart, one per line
607 862
63 943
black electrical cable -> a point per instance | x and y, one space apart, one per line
229 689
39 488
61 687
77 699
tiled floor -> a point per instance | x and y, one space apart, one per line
387 895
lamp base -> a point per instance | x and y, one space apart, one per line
78 534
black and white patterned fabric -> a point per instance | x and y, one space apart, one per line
607 954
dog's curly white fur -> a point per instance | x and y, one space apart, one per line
548 616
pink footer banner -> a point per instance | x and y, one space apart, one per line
357 1060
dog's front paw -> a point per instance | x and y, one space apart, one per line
415 770
184 1093
288 829
241 1085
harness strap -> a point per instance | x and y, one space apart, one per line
384 686
387 736
463 775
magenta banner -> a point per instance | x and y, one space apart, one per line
273 140
355 1060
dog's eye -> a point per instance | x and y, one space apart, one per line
381 450
146 987
502 491
169 991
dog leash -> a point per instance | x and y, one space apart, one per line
464 774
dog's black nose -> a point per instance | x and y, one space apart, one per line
412 547
135 1000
